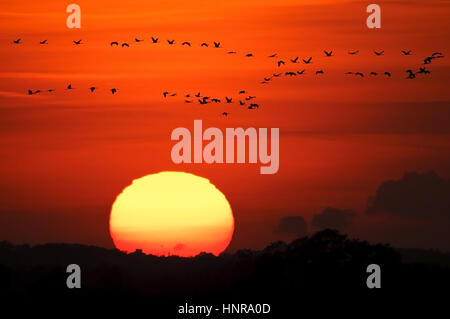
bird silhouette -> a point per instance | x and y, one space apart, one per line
373 73
113 90
18 41
43 42
328 53
273 55
301 72
428 60
198 94
423 71
388 74
281 63
379 52
173 94
186 43
215 100
290 73
436 55
250 98
203 101
155 40
114 43
353 52
50 90
294 60
187 101
319 72
165 94
225 113
231 52
187 95
77 42
204 44
411 74
307 61
267 79
241 103
254 105
277 74
349 72
171 42
249 55
406 52
125 45
242 92
30 92
92 88
217 44
229 99
69 87
137 40
359 74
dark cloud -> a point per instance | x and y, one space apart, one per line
414 195
333 218
292 225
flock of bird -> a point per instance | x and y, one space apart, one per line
247 100
411 73
244 99
69 87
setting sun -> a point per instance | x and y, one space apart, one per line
171 213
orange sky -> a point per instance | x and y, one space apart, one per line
66 155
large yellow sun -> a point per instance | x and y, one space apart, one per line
171 213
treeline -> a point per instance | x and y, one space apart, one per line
325 265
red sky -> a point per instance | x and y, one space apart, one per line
66 155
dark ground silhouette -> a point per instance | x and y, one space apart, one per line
320 271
